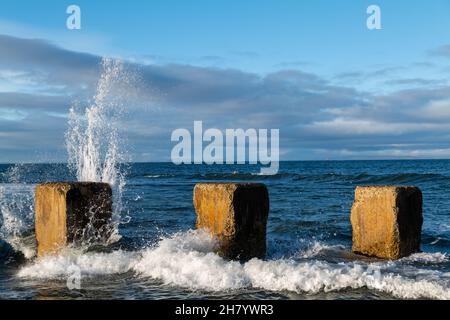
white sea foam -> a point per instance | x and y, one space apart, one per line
427 257
154 176
186 260
316 276
316 248
90 264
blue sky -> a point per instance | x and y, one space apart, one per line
256 36
311 67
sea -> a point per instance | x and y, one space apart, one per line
155 251
158 254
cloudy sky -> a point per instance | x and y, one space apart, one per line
312 69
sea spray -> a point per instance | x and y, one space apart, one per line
94 145
17 213
95 153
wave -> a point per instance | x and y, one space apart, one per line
401 178
360 178
237 175
162 175
216 176
427 258
187 260
365 178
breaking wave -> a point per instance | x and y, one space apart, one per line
187 260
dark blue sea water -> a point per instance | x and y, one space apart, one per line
159 256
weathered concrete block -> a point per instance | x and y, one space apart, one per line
236 213
387 221
70 213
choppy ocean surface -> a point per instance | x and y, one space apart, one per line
159 255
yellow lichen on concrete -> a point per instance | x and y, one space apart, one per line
235 213
386 221
51 217
215 203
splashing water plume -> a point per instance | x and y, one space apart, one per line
93 141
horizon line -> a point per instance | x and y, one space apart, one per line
236 164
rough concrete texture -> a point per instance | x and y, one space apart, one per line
387 221
235 213
71 213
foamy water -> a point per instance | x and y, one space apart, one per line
187 260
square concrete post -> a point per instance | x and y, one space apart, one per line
235 213
70 213
387 221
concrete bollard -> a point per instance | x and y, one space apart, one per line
236 213
387 221
69 212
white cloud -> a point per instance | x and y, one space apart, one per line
443 153
12 114
342 126
436 109
80 41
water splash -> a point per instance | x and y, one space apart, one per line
95 154
93 142
17 215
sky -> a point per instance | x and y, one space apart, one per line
334 88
